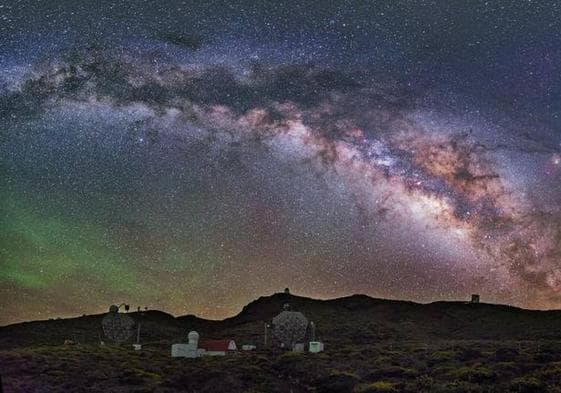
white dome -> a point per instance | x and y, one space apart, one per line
193 337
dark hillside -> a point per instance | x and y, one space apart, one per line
343 320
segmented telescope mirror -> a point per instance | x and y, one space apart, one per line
289 327
117 327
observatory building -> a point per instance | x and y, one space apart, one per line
289 327
206 348
290 330
117 327
190 350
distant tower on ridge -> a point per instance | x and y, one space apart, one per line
475 298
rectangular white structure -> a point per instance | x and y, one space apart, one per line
298 347
316 346
185 351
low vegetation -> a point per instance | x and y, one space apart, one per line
445 366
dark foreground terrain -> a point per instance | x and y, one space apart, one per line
372 345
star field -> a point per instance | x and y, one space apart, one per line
191 157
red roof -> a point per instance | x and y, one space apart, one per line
217 345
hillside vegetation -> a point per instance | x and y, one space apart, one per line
372 345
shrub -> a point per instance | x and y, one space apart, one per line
527 385
441 356
548 352
131 378
507 368
475 373
457 387
375 387
424 383
552 373
506 354
467 354
392 372
337 382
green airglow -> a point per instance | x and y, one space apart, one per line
42 249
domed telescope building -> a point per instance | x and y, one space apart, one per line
289 328
117 327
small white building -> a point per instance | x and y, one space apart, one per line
248 347
315 347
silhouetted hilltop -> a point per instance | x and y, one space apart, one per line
356 318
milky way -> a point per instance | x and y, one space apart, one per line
147 164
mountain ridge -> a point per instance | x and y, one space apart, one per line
354 317
194 317
293 297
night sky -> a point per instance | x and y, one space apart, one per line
191 157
